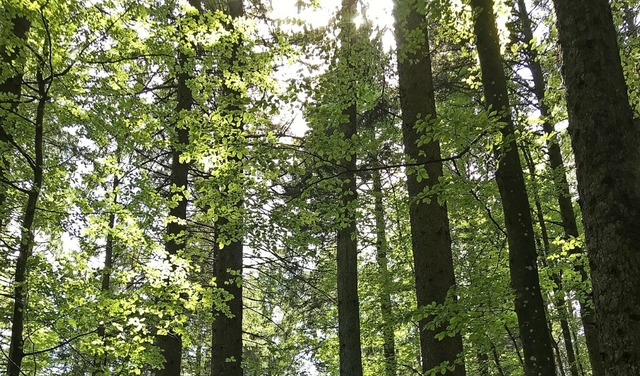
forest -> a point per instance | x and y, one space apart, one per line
320 187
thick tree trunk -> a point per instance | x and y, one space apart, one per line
347 264
523 265
226 341
226 345
605 142
389 346
562 187
430 238
347 244
20 289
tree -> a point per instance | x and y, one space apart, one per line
529 306
605 142
347 244
226 345
565 205
430 238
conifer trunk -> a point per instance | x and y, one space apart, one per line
170 345
226 341
389 346
567 213
347 245
430 237
605 142
523 263
226 345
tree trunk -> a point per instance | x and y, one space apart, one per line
226 341
562 188
347 244
10 93
389 346
605 142
226 345
101 362
558 293
20 289
496 359
170 345
430 238
529 305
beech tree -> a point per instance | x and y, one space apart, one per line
252 188
523 264
430 238
604 139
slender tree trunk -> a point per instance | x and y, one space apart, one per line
558 293
226 342
523 265
605 142
514 341
25 249
10 93
430 238
105 288
347 244
562 187
496 359
389 346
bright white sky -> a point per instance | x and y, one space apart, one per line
378 12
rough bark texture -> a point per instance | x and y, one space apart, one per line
605 142
529 305
389 346
430 238
226 342
20 290
347 244
562 188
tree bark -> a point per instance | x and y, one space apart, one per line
347 245
25 249
389 346
605 142
226 342
170 345
529 305
430 237
226 345
562 188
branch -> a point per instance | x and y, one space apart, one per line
61 344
